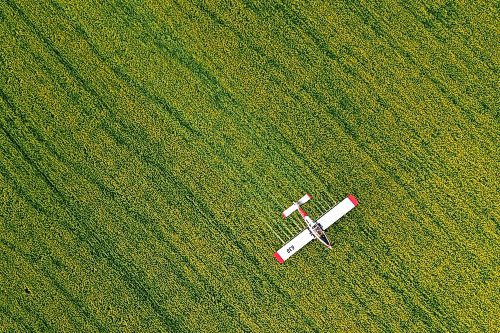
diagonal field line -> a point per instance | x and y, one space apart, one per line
275 233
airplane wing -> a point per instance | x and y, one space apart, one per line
293 246
337 212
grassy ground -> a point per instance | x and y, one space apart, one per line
147 149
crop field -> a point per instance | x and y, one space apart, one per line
148 148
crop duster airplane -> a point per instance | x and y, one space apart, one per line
314 229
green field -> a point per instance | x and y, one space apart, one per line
148 148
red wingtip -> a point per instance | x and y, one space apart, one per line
309 195
278 257
283 214
353 200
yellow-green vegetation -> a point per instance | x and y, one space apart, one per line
147 149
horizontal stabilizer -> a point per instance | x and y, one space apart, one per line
304 199
296 205
290 210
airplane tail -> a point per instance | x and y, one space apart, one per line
296 205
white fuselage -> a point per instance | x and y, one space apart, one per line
309 221
315 228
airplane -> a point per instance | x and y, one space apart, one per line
315 229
